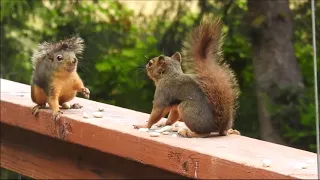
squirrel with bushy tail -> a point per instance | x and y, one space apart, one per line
205 95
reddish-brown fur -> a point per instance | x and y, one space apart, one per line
203 57
204 95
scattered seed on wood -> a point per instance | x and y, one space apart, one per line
165 133
310 161
175 129
97 114
301 166
154 127
167 128
304 165
66 105
154 134
266 163
143 129
85 115
159 130
178 124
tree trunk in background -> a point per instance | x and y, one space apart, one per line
274 62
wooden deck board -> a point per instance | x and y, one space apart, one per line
42 157
216 157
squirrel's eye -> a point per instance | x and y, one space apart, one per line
59 57
150 63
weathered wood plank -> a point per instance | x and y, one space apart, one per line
43 157
217 157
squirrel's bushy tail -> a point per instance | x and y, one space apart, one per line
203 57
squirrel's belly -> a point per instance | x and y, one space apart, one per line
67 96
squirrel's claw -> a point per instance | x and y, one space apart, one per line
86 93
56 116
76 106
183 132
35 109
229 132
161 124
140 126
233 131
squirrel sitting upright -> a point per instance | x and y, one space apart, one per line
205 96
55 79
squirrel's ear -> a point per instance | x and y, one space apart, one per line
161 59
176 56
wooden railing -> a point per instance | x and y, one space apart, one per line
109 147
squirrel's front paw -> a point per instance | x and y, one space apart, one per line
86 93
161 124
56 116
35 109
140 126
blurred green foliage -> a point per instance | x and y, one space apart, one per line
119 43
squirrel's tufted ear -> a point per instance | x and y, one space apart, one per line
161 59
75 44
176 56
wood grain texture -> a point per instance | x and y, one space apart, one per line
43 157
225 157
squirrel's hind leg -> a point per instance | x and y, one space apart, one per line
39 97
186 132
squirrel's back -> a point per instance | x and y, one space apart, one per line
203 57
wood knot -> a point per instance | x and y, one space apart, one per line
64 130
185 166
